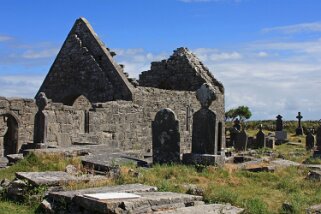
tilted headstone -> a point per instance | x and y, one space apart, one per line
204 122
299 130
309 139
166 137
279 123
241 141
260 138
270 141
41 121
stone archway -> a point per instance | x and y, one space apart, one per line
9 128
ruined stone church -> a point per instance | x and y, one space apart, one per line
93 101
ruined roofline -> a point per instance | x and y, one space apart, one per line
181 71
97 43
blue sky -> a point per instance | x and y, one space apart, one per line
267 53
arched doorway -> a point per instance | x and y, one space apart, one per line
10 138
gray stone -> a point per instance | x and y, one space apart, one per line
71 169
260 138
204 123
241 141
206 209
270 142
148 202
279 123
315 209
284 163
318 136
166 137
315 175
299 129
203 159
309 144
41 120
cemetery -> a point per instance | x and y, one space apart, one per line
94 140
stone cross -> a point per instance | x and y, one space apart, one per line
41 121
279 123
299 130
204 140
309 141
260 138
166 137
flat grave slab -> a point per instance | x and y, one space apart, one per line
205 209
148 202
67 196
284 163
111 196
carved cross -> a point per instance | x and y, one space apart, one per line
299 117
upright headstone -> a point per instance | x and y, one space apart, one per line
204 134
204 122
166 137
235 131
318 144
299 130
280 135
260 138
309 145
41 122
241 141
279 123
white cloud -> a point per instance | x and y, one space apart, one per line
296 28
216 55
262 54
37 54
4 38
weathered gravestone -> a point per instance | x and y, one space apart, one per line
41 122
204 134
317 151
260 138
280 135
166 137
279 123
241 141
309 145
234 132
204 122
299 130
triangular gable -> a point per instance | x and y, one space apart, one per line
84 66
182 71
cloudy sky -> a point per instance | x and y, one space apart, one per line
267 53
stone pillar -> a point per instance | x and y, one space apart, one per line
299 130
309 145
41 122
260 138
166 137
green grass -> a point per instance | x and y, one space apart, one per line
8 207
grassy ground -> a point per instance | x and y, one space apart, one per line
262 192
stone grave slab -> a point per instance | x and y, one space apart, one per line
111 196
67 196
149 202
284 163
53 178
203 159
315 209
205 209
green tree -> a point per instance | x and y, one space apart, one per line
241 112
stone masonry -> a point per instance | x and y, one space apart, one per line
92 101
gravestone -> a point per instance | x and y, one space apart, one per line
166 137
235 131
241 141
204 134
299 130
279 123
318 144
204 122
309 141
41 122
260 138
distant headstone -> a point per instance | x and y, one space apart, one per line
309 141
41 121
166 137
269 142
299 130
318 144
237 124
279 123
204 122
260 138
241 141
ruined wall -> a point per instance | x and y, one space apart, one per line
22 111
